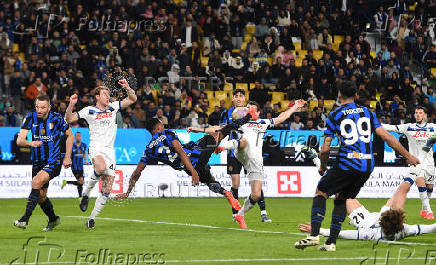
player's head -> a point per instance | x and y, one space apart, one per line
257 106
420 114
154 125
238 97
347 91
102 96
392 222
78 137
42 106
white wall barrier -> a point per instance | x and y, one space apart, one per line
15 182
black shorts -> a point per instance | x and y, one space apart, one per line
207 144
78 173
53 171
346 183
233 164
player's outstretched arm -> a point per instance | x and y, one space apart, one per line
69 147
71 116
211 129
396 145
133 179
287 113
131 96
344 234
392 128
186 161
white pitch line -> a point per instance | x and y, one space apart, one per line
237 229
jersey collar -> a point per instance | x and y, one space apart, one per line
417 125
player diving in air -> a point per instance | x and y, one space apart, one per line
248 150
388 224
192 157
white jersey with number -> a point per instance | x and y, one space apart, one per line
251 156
102 125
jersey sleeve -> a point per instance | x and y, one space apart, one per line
27 122
63 124
268 122
374 121
84 114
116 105
145 159
330 127
171 136
395 128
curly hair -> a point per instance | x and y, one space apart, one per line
392 221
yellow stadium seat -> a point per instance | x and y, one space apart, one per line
204 61
338 38
15 48
221 95
247 37
228 103
236 50
335 46
378 96
433 71
244 45
242 86
373 54
251 86
299 61
297 46
270 61
313 104
212 104
250 29
277 96
373 104
209 94
228 86
328 103
82 46
317 54
413 7
155 95
284 104
302 53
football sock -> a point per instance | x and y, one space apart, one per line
216 187
32 201
429 192
94 179
99 204
261 202
80 189
317 214
424 198
248 204
72 182
338 216
47 208
235 194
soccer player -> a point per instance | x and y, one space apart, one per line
101 119
78 155
354 126
192 157
46 128
248 150
423 174
233 165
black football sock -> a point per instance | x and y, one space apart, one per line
72 182
338 216
216 187
32 201
317 214
47 208
261 201
235 192
80 189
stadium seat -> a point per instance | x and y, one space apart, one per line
317 54
209 94
302 53
204 61
244 45
270 61
228 86
373 104
335 46
247 37
373 54
212 103
338 38
378 96
433 71
221 95
413 7
15 48
82 46
328 103
155 95
251 86
242 86
284 104
277 96
313 104
250 29
297 46
236 51
299 61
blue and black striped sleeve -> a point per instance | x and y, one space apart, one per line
331 127
27 123
375 122
171 136
63 124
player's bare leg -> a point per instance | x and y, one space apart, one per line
99 168
253 198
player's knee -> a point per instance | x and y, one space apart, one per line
321 193
80 181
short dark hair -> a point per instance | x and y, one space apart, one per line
151 124
392 222
348 89
236 91
254 103
422 108
43 98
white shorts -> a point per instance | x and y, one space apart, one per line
255 176
108 155
361 218
427 172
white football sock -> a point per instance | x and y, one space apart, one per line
91 184
99 204
246 207
263 212
425 200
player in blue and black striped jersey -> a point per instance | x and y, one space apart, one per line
46 128
192 157
78 156
233 165
354 126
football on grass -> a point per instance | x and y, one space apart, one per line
239 113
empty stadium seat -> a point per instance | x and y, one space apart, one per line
313 104
317 54
242 86
204 61
228 86
338 38
250 29
328 103
433 71
277 96
221 95
209 94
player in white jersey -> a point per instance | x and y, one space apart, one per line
101 119
388 224
248 150
423 174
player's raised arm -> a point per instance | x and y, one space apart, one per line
287 113
131 96
396 145
185 160
71 116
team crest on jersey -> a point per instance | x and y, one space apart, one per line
42 132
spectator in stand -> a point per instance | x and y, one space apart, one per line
296 124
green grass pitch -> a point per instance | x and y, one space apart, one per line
193 231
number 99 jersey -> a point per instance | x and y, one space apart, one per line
354 126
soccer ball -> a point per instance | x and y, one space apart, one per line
239 113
